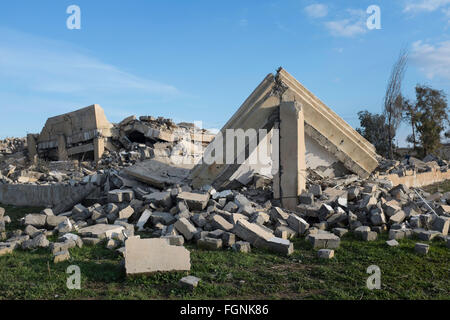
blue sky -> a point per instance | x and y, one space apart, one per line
199 60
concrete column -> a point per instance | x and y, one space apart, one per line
275 145
99 148
292 154
62 150
32 148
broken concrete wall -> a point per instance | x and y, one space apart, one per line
317 156
418 179
60 197
72 134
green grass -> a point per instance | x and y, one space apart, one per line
229 275
438 187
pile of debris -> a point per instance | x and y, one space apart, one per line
132 141
12 145
411 165
143 180
238 219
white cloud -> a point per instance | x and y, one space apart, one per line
432 60
316 10
354 25
46 66
243 22
425 5
446 11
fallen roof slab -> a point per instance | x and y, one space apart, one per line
322 124
158 173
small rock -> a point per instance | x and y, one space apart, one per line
61 256
242 246
325 253
189 282
422 248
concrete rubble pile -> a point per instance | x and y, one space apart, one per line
133 140
140 181
238 219
410 164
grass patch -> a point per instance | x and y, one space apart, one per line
229 275
443 187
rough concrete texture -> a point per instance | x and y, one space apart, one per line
101 231
65 132
152 255
292 170
60 197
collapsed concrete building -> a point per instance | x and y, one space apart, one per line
310 135
82 134
140 176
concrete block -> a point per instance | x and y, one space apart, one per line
186 228
396 234
278 213
228 239
144 256
282 246
126 213
120 195
91 241
101 231
195 201
189 282
369 235
162 217
219 222
392 243
398 217
36 220
297 224
209 243
324 240
325 212
422 248
174 240
441 224
160 199
285 232
242 246
306 198
48 212
143 219
391 208
61 256
54 221
339 231
325 254
315 189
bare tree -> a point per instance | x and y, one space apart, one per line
393 99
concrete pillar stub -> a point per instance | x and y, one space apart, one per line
32 147
99 148
292 154
62 150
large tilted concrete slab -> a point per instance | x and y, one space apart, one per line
329 130
321 124
63 134
257 112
